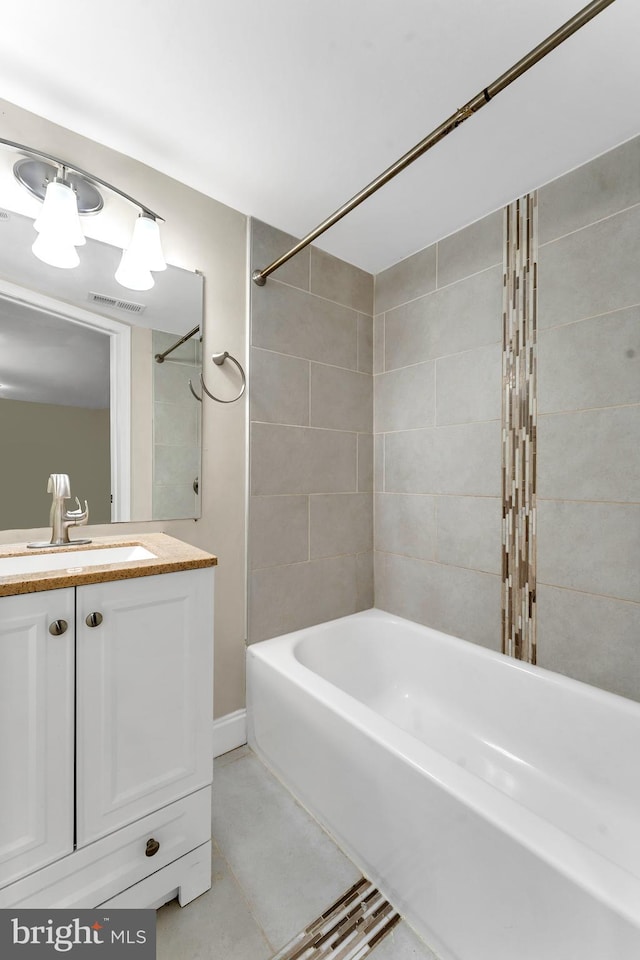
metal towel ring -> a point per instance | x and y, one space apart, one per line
219 359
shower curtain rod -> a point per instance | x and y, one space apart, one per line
160 357
463 113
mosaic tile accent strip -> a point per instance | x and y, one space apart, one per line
348 930
519 420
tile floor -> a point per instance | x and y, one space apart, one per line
274 871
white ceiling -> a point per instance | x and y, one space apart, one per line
285 109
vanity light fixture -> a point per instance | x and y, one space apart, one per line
68 193
142 257
58 226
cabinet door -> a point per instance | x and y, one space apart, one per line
144 713
36 731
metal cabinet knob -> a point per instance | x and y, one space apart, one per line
58 627
152 848
94 619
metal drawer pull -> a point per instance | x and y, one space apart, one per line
58 627
94 619
152 848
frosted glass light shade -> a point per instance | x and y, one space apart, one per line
55 252
132 274
143 255
59 220
146 242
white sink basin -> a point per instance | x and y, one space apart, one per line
71 560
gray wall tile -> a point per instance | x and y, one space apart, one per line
471 249
464 603
469 605
378 462
312 416
590 272
267 244
380 579
470 532
593 639
365 462
364 581
469 386
406 587
592 363
405 398
340 281
411 278
278 530
341 399
301 460
340 523
406 524
300 324
593 547
590 455
161 341
174 500
175 465
462 459
378 343
299 595
365 343
469 459
176 424
595 190
409 462
171 383
409 334
465 315
279 388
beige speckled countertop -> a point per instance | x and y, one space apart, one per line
170 555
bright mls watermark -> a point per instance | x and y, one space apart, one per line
33 934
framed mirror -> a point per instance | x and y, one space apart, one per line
81 391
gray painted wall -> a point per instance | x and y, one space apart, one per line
29 440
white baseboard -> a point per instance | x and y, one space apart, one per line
229 732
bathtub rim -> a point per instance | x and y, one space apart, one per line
602 877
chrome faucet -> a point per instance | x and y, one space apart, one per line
62 519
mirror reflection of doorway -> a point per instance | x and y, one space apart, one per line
54 413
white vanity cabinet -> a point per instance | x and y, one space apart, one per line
116 806
36 731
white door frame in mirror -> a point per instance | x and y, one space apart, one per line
120 384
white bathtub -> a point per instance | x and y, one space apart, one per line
497 805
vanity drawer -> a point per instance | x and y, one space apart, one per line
93 874
186 878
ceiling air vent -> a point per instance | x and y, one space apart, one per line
106 301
